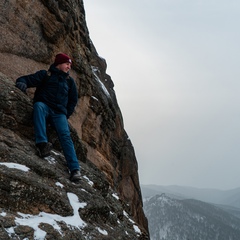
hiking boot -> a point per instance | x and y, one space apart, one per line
44 149
75 176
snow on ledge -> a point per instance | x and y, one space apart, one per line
59 184
16 166
94 70
88 180
103 232
135 227
33 221
115 196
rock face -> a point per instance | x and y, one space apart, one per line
32 33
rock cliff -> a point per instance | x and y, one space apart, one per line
107 203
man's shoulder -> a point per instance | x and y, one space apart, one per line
42 72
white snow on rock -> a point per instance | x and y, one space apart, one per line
16 166
89 181
115 196
50 159
55 153
104 232
94 98
59 184
135 227
94 70
33 221
3 214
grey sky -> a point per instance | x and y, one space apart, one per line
175 66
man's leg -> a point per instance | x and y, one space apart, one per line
40 114
61 125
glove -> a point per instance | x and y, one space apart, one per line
22 86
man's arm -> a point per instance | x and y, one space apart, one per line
31 80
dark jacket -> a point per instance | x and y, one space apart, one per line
58 90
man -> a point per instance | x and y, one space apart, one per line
54 101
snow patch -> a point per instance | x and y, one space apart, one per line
33 221
104 232
137 229
89 181
55 153
50 159
10 231
94 71
115 196
127 216
94 98
59 184
16 166
3 214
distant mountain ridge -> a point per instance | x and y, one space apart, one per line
188 219
221 197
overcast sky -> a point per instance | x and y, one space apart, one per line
175 66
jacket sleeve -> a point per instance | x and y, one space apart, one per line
33 80
72 98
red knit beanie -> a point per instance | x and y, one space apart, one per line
62 58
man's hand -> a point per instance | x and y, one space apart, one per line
22 86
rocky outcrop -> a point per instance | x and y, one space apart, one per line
32 33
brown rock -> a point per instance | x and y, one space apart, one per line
32 32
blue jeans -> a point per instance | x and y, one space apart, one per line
41 112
